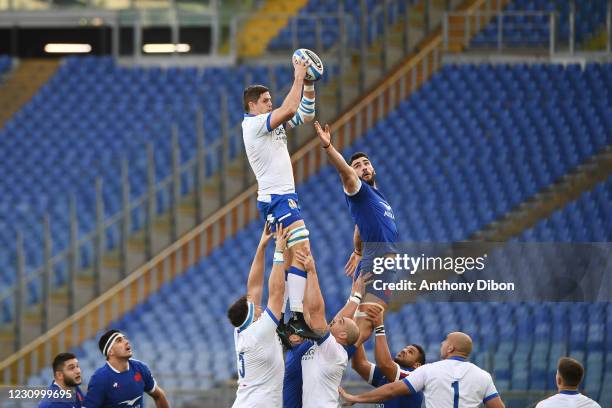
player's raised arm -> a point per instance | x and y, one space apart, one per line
313 299
291 103
350 180
306 109
351 265
384 361
256 274
276 282
357 291
159 396
495 403
360 363
380 394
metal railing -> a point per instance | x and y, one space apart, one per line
510 31
113 234
105 4
222 224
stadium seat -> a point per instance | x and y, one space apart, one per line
470 145
532 30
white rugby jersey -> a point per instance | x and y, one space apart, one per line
259 356
266 149
568 399
450 380
322 369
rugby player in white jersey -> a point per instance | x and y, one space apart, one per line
569 376
452 382
324 363
259 354
265 141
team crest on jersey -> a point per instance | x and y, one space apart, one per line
388 210
138 377
292 204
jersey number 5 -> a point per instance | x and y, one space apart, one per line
241 364
456 394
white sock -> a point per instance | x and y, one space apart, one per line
286 294
296 284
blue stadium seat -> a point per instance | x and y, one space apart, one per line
525 31
83 122
482 138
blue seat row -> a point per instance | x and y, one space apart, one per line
520 30
318 24
466 148
81 124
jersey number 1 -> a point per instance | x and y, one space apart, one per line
241 367
456 394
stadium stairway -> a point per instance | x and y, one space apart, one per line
229 219
234 180
260 27
406 77
542 205
23 83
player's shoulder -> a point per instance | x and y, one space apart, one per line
138 365
102 375
548 402
250 118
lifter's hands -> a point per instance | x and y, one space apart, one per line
324 135
282 236
359 284
375 315
266 235
304 257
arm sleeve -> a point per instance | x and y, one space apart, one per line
490 391
359 195
95 393
147 377
264 329
416 381
401 373
300 350
376 376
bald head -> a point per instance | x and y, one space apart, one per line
456 344
345 331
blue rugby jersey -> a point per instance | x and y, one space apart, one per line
292 383
109 388
378 379
77 398
376 222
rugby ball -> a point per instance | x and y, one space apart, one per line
316 69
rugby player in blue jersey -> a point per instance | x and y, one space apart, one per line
66 378
297 392
386 368
374 223
122 381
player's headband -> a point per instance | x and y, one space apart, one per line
249 317
109 343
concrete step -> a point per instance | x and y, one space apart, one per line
22 83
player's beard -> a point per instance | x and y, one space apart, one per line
70 382
371 181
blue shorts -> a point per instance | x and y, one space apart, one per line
387 276
283 208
